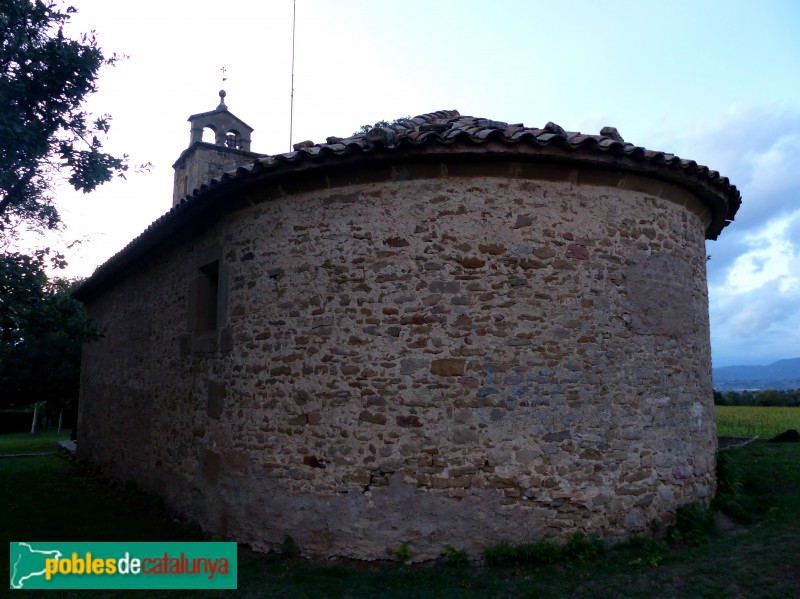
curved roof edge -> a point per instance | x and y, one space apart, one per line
436 134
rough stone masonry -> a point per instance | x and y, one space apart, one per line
416 336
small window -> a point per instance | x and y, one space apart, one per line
208 297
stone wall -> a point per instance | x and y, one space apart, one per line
458 358
201 162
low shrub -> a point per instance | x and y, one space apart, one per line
647 551
455 557
694 525
500 554
289 548
729 486
403 553
582 548
539 553
578 547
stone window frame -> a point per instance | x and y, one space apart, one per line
207 309
206 314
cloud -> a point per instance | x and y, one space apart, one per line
793 228
757 147
755 304
754 271
774 187
757 327
723 253
769 256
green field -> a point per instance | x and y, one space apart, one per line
752 421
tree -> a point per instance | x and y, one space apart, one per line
364 129
42 331
770 397
44 131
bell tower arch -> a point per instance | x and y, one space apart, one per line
206 160
229 130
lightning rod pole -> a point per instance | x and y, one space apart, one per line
291 101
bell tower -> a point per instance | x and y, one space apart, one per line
202 160
229 131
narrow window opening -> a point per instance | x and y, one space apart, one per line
208 296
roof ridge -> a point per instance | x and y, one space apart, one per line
446 127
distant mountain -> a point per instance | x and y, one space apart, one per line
782 369
783 374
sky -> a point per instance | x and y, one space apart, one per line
717 82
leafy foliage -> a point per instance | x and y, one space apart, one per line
403 553
22 284
44 79
578 547
765 398
364 129
729 487
456 557
45 134
647 550
500 554
289 548
42 330
694 525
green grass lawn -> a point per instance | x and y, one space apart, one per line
51 498
13 443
